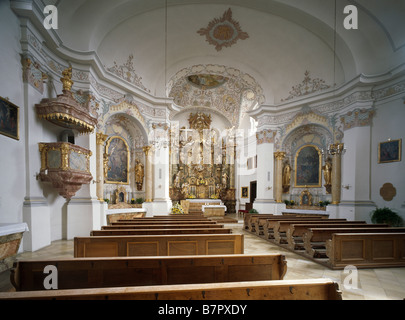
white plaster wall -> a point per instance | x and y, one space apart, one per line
12 159
388 123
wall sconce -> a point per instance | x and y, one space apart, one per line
336 148
347 187
269 188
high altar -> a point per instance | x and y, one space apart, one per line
202 163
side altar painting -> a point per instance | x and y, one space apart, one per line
308 167
202 163
118 161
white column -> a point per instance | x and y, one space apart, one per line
161 200
84 210
36 212
264 202
356 185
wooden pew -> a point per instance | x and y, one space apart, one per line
79 273
315 238
308 289
127 232
249 221
158 245
366 250
279 228
296 231
135 222
164 219
163 226
266 225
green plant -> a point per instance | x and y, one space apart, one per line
106 200
253 211
139 200
386 215
324 203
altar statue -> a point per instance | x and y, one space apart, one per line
286 174
139 173
327 172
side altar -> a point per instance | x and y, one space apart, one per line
202 163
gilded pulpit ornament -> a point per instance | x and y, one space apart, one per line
66 166
223 32
65 111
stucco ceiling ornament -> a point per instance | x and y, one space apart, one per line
223 32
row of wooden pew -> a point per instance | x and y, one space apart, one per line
335 243
165 258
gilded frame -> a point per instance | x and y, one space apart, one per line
244 192
318 169
9 119
389 151
123 177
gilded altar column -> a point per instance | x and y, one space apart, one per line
148 174
336 152
100 140
279 175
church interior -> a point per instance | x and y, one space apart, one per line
229 109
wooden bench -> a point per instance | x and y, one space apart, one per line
366 250
315 238
266 225
79 273
296 231
127 232
164 219
280 227
250 219
163 226
135 222
158 245
308 289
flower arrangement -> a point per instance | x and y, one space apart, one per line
177 209
214 196
191 196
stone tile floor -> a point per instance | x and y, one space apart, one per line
372 284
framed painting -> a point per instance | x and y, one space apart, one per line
389 151
308 167
244 192
9 119
118 161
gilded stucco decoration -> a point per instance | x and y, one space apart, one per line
126 71
307 86
357 118
229 90
223 32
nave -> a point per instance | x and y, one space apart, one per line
373 284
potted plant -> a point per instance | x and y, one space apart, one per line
253 211
386 215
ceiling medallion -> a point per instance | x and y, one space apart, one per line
223 32
207 81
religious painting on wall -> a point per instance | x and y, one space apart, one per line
389 151
245 192
118 160
9 119
308 167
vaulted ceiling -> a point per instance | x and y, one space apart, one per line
274 44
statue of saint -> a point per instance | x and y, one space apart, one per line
224 179
105 165
139 173
286 174
327 172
